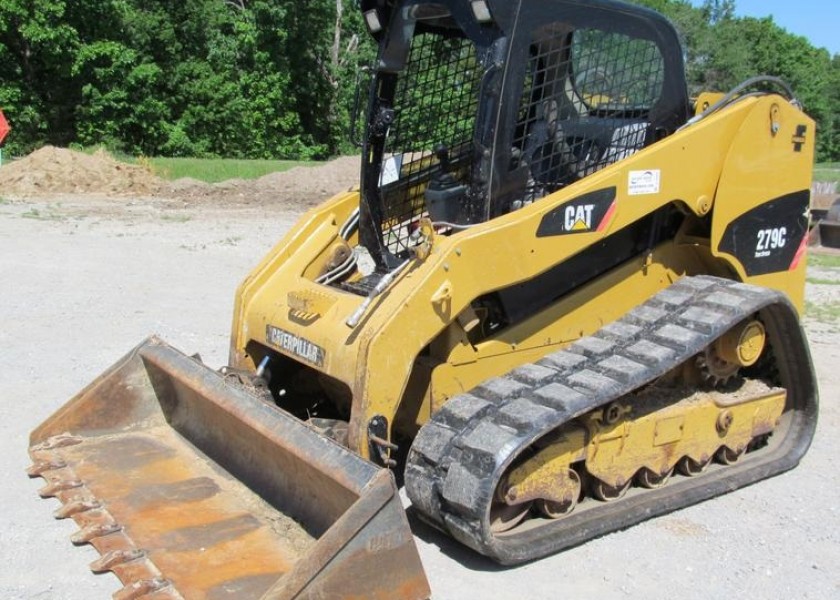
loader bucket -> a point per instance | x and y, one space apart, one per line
189 487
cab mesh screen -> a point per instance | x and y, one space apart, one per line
585 104
435 104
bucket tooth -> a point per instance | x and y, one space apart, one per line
141 588
62 440
59 485
76 507
39 467
116 558
94 530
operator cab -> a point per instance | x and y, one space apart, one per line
478 108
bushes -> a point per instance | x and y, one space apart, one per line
724 50
253 79
271 79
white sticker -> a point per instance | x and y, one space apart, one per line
643 182
770 239
390 170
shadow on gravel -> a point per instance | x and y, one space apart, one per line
466 557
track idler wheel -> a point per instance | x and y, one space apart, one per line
505 513
608 493
727 456
739 347
557 510
689 467
651 480
504 517
545 479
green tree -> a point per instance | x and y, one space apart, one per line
277 78
121 104
830 132
37 47
723 50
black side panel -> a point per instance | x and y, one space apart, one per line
767 238
522 300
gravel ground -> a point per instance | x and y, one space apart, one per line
86 280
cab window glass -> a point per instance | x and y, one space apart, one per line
610 71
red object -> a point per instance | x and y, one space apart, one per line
803 248
4 127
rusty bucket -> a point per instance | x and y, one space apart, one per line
189 487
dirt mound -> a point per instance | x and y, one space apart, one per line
53 170
299 186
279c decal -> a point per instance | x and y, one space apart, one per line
768 237
769 240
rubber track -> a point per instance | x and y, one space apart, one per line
458 457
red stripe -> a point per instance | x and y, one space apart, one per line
800 253
607 217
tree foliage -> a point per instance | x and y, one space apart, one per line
723 50
276 78
239 78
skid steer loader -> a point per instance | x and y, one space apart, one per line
563 300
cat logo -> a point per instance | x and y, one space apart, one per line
578 218
587 213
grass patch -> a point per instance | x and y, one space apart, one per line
42 215
213 170
175 218
823 260
827 172
209 170
827 313
817 281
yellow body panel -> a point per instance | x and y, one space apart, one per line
689 427
645 436
725 164
759 160
705 100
